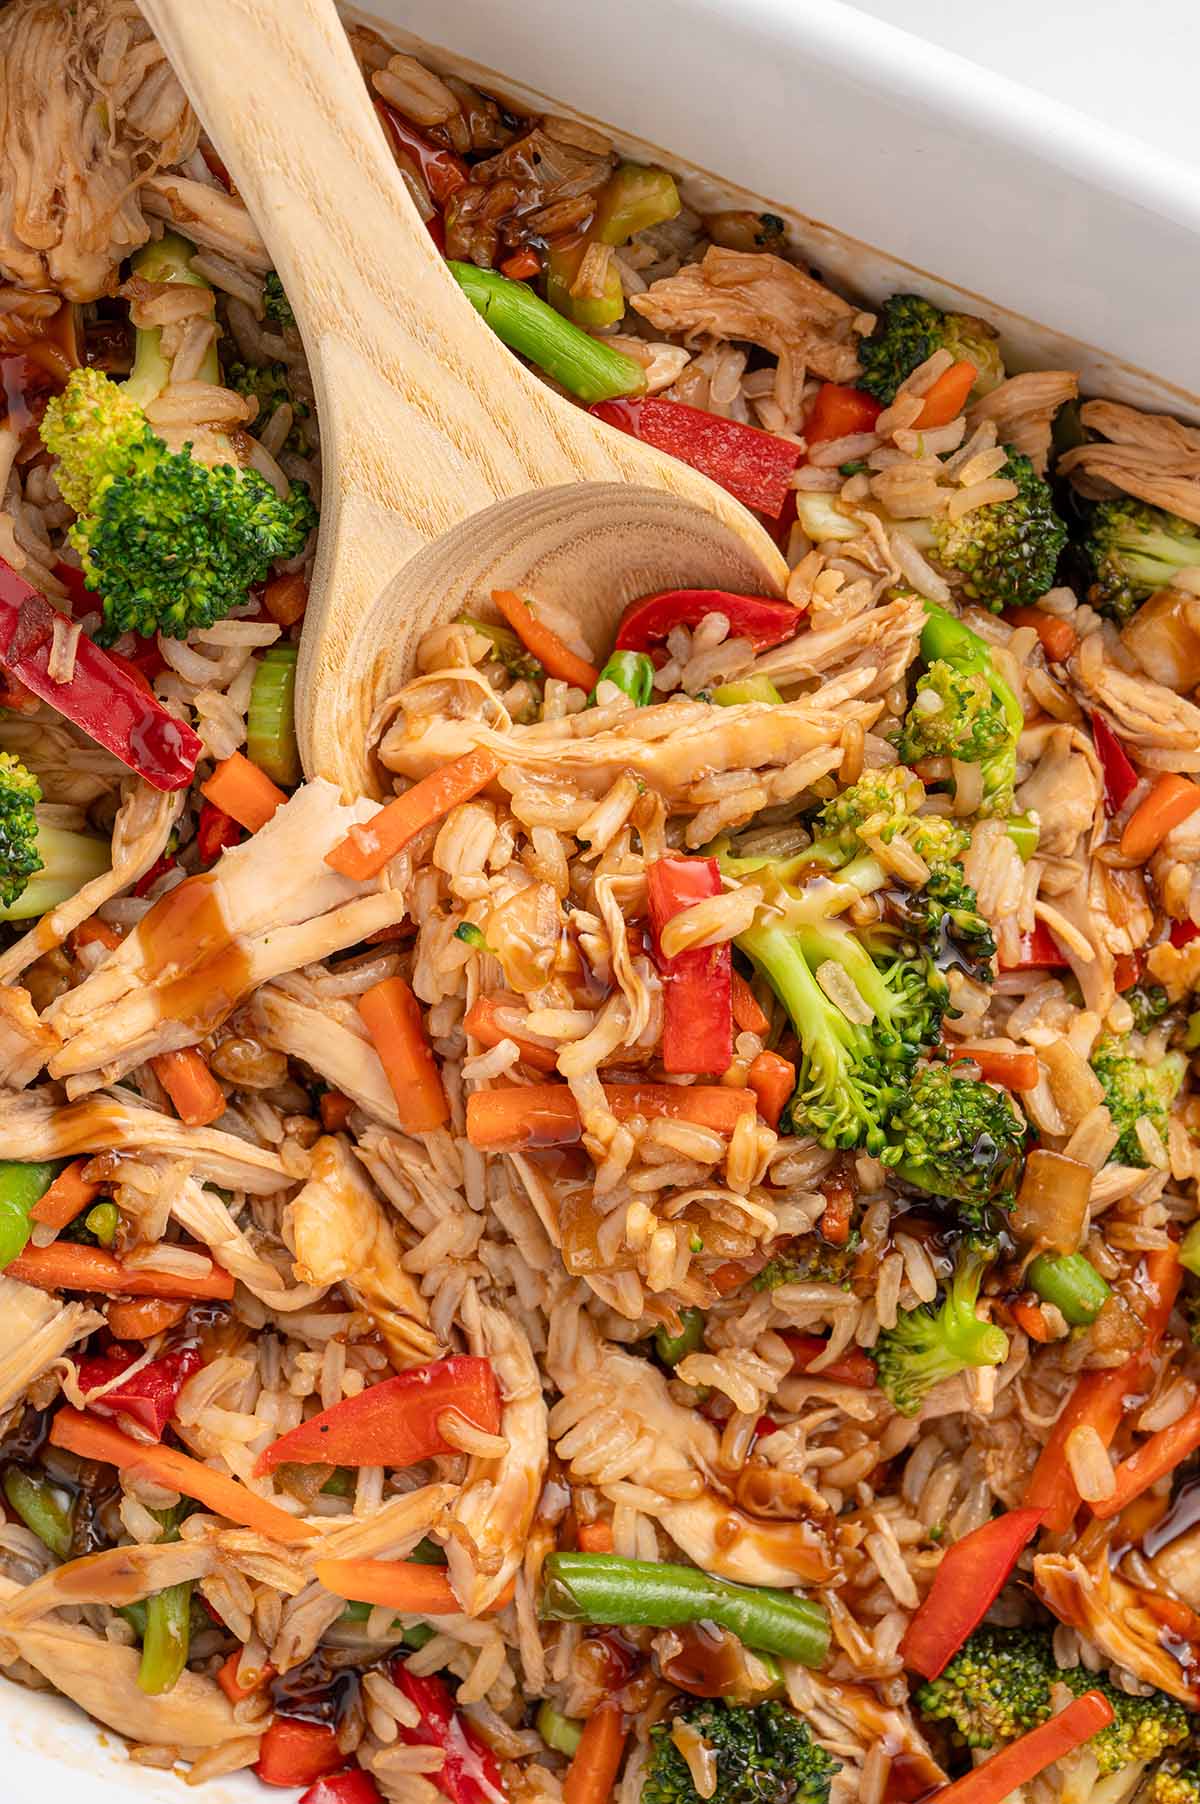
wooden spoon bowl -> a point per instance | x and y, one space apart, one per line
449 469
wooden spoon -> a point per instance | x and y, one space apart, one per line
436 441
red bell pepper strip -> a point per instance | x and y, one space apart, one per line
354 1787
393 1423
1038 951
295 1752
648 620
698 984
101 698
1120 778
1157 1456
147 1399
441 171
838 412
851 1367
970 1578
1023 1759
471 1772
754 466
158 869
215 831
1183 932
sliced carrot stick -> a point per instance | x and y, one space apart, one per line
95 932
65 1266
243 792
1170 801
521 265
592 1773
555 658
366 849
1028 1316
1058 637
1013 1070
68 1196
393 1019
195 1093
947 398
234 1687
144 1317
837 1217
547 1114
594 1537
481 1023
335 1111
748 1018
1152 1461
404 1585
92 1438
772 1079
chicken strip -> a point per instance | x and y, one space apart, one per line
25 1042
1111 1613
1161 728
1023 409
35 1329
881 644
209 216
341 1234
328 1034
268 906
81 132
1149 455
35 1126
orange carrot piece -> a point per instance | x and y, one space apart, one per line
393 1019
64 1266
748 1018
1013 1070
143 1317
1170 801
548 1115
772 1079
335 1111
947 398
1157 1456
481 1023
594 1537
67 1197
404 1585
196 1096
521 265
243 792
234 1688
592 1773
366 849
285 598
1058 637
1027 1314
837 1217
93 1438
555 658
95 932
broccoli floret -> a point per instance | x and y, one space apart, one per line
1004 554
170 544
958 1138
1133 1090
946 641
1142 1729
996 1687
276 305
933 1343
1149 1002
267 383
954 715
20 794
764 1754
811 1259
1171 1783
910 329
1134 549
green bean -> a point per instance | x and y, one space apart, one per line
41 1509
1072 1284
103 1221
21 1186
632 672
166 1638
562 1733
589 369
603 1588
415 1635
747 689
271 718
671 1348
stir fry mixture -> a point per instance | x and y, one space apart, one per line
659 1263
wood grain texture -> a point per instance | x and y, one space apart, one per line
427 420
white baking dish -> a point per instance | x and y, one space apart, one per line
1082 246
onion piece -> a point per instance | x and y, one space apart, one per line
1051 1209
1164 637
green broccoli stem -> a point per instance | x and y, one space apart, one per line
69 860
955 644
41 1509
603 1588
167 260
1072 1284
271 718
562 1733
671 1348
103 1221
166 1638
589 369
21 1186
1025 831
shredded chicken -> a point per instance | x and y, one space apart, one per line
1023 409
34 1126
268 906
81 132
765 301
881 644
342 1235
116 1576
1149 455
1160 727
35 1330
25 1042
200 1210
1110 1612
328 1034
208 216
1063 790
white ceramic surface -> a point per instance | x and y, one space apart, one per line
831 116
